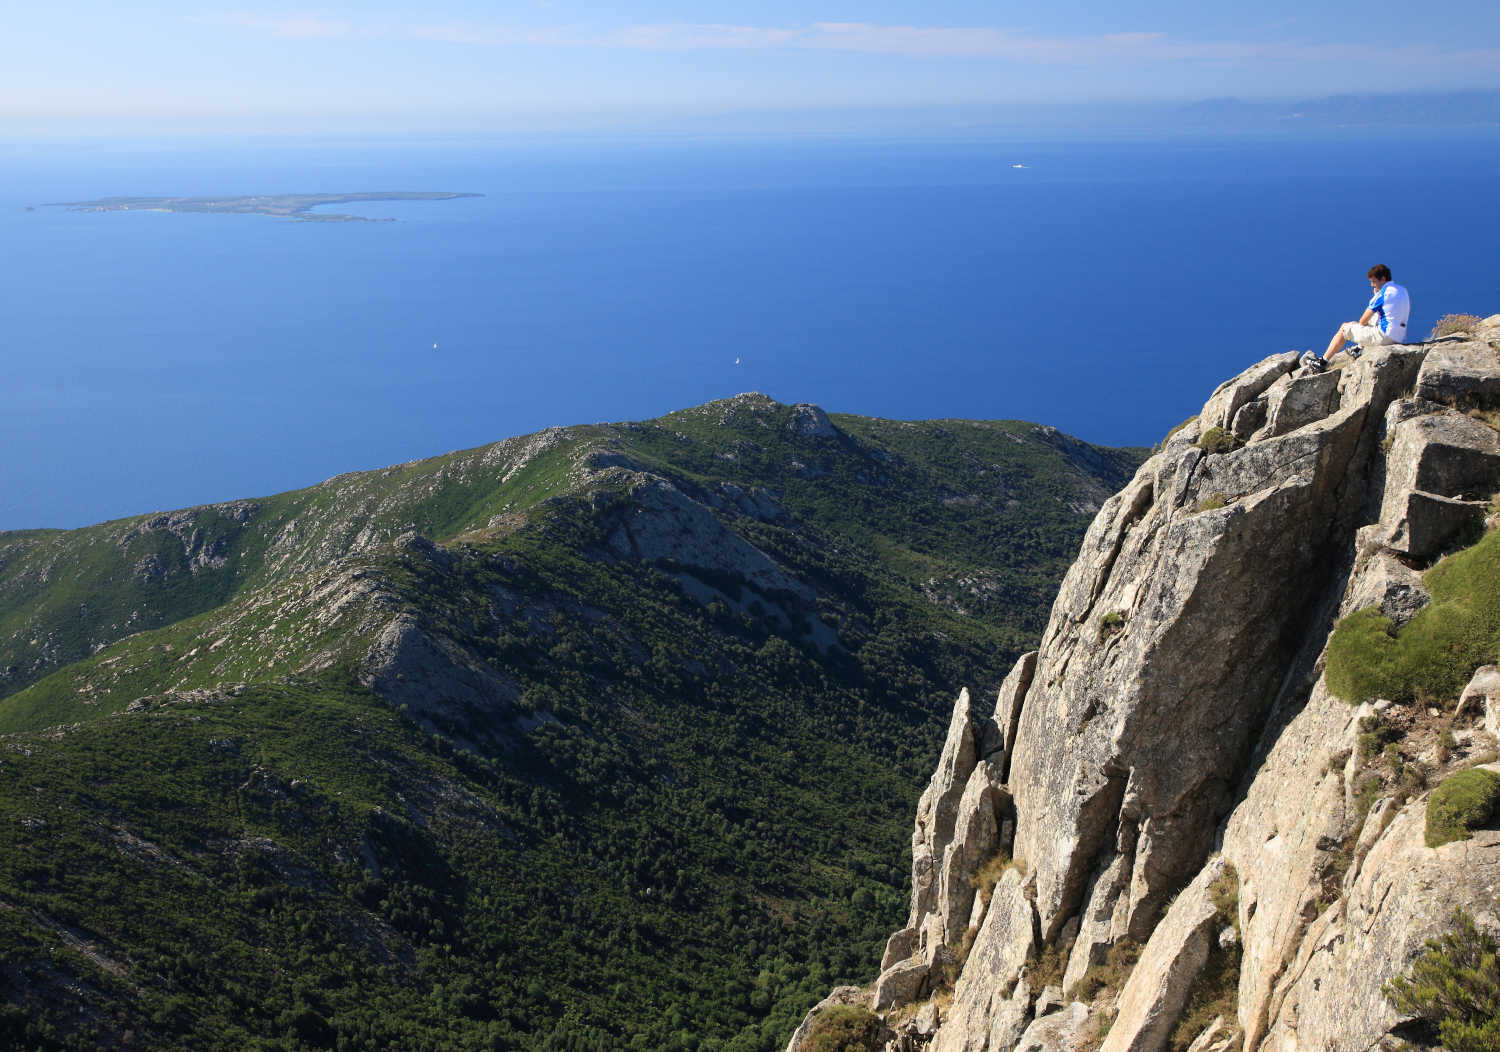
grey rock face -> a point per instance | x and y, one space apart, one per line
1388 582
1403 893
1461 372
437 681
999 734
1158 985
1483 694
664 523
1189 675
901 983
1301 400
957 830
1216 1037
1061 1031
937 815
808 421
1225 402
987 991
1175 721
1446 453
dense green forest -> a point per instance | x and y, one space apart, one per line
603 738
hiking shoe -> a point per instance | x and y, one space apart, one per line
1314 362
1353 353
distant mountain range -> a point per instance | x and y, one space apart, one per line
1417 110
1414 110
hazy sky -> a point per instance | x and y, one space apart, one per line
458 63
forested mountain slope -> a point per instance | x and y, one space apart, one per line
602 737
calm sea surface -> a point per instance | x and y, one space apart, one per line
154 361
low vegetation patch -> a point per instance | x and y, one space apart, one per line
1449 324
1454 987
1375 733
1437 652
844 1028
1047 967
989 873
1212 502
1110 973
1217 440
1465 802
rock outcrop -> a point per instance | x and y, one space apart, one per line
1173 750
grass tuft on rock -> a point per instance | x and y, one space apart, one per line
1438 651
845 1028
1217 440
1111 624
1465 802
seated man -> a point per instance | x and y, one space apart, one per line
1384 319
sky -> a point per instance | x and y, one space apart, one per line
93 66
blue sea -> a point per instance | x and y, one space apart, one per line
154 361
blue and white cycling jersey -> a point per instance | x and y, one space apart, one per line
1392 307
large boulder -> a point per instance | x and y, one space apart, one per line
1463 372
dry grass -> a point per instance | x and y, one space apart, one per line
1449 324
1110 973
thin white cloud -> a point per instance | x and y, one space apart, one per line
981 41
868 38
697 37
296 27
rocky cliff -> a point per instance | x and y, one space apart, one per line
1170 831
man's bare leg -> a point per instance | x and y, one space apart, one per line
1336 344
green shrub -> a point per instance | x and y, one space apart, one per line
845 1028
1449 324
1454 984
1212 502
1217 440
1376 733
1111 624
1463 803
1437 652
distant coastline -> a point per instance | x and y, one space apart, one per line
297 207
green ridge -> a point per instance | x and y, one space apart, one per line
666 825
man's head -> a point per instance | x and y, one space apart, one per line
1379 274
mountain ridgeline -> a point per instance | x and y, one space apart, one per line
598 738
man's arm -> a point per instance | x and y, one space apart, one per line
1367 317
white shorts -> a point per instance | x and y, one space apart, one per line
1364 335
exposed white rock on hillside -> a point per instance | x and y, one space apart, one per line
1179 798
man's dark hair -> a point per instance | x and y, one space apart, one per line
1380 272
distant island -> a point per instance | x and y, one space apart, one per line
297 207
